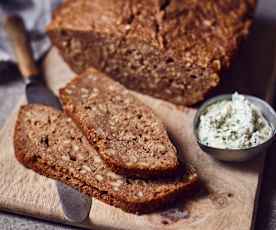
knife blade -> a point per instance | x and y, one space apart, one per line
76 206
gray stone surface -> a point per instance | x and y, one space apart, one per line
11 88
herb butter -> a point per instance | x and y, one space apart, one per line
233 124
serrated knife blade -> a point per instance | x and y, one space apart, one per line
76 206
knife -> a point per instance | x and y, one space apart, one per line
76 206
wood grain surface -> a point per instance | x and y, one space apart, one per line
226 200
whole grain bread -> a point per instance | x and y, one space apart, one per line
170 49
129 137
48 142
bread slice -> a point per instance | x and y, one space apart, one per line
175 50
48 142
130 138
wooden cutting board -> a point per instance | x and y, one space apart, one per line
226 201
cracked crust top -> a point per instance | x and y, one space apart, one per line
195 31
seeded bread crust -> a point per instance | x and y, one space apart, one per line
175 50
49 143
129 137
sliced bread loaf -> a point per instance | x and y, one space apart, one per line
48 142
130 138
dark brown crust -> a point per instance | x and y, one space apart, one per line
160 27
137 208
33 162
99 144
142 173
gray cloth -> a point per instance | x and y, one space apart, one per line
36 14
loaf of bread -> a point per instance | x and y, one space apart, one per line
48 142
170 49
129 137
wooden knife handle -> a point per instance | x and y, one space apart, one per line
20 43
